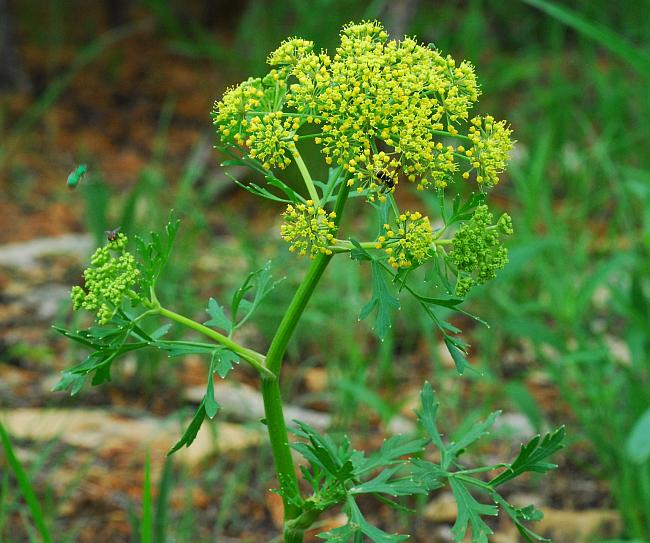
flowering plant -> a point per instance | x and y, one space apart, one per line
381 112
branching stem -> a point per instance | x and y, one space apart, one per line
255 359
309 183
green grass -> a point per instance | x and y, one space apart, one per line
27 491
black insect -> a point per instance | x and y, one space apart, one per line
111 235
387 179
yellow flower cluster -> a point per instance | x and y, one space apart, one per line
408 242
376 105
309 229
107 281
312 73
491 145
229 115
290 52
378 178
270 137
387 93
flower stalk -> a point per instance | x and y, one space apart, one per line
271 393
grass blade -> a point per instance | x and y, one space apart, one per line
146 523
162 503
25 486
609 39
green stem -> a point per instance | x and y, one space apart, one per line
345 246
305 136
272 396
309 183
445 133
254 358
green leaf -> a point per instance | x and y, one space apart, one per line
322 452
255 189
342 534
457 355
217 316
520 515
257 282
69 381
162 503
223 362
464 211
155 253
470 512
532 457
391 452
192 430
430 475
211 405
382 300
384 484
637 445
427 416
449 303
476 432
372 532
183 348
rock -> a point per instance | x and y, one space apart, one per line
45 301
244 403
316 379
25 254
578 526
103 430
515 425
442 509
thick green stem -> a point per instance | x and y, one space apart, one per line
271 393
254 358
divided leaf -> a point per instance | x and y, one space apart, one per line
520 515
218 317
383 483
223 360
192 430
470 513
430 475
257 283
532 457
155 253
382 300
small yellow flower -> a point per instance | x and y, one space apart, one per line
408 242
310 230
490 151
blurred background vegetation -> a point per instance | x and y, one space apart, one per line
126 87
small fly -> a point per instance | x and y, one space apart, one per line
111 235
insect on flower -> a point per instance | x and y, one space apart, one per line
76 176
111 235
387 179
